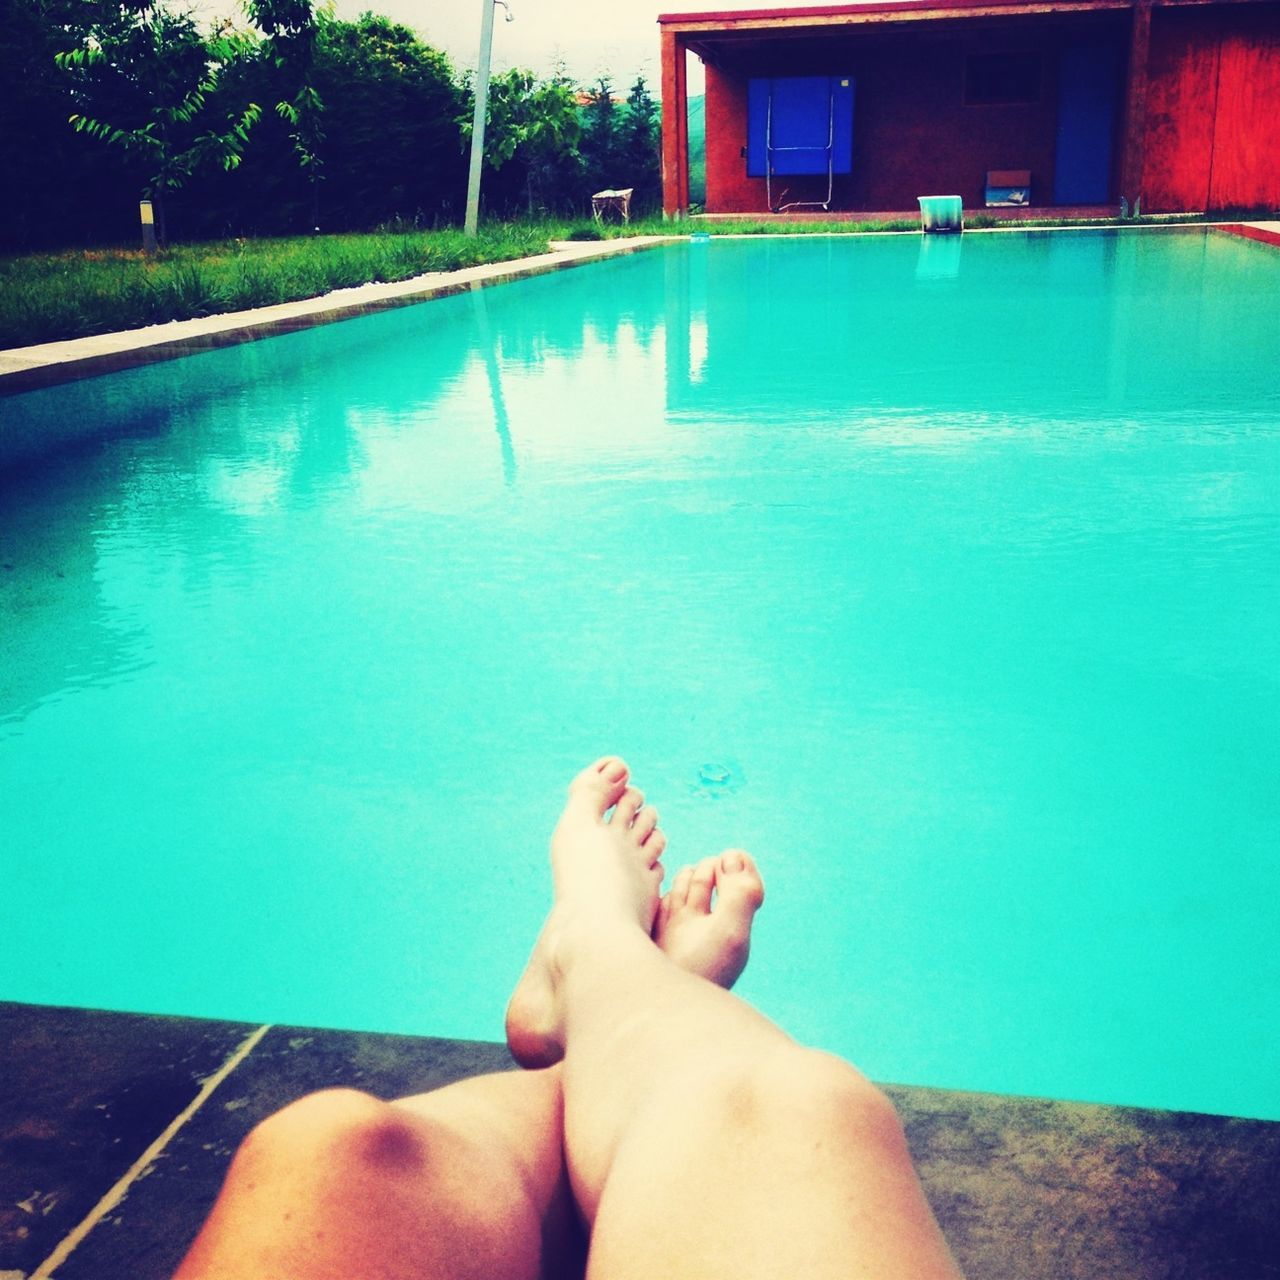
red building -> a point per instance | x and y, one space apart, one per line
1055 103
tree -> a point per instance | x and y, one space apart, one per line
46 166
531 141
391 106
640 147
165 71
389 148
601 150
292 30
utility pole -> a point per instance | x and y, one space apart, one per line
482 104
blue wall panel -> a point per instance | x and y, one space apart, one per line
802 118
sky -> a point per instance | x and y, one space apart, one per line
592 37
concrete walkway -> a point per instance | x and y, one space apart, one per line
1265 232
116 1131
49 363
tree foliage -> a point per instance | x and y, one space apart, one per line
393 138
292 29
164 70
530 142
548 146
47 168
640 147
601 143
361 123
622 143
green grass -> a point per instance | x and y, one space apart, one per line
780 226
45 297
981 221
749 225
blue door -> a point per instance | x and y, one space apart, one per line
1088 95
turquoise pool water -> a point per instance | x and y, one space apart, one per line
949 584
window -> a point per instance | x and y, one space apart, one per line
1001 79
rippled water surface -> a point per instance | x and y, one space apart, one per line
944 576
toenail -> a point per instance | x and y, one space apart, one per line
614 770
732 862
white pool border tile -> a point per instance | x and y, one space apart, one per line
51 363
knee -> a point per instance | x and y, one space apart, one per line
338 1130
814 1095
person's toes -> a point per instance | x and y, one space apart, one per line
673 900
655 846
711 941
739 888
679 894
701 883
598 787
629 803
645 825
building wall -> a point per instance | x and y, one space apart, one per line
1209 138
729 190
913 133
1213 98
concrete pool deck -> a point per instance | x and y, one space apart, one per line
116 1130
50 363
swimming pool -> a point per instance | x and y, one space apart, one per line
946 578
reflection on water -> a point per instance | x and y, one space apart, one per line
939 259
493 372
952 582
1067 327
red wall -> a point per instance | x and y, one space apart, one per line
1182 76
725 112
1213 101
1211 138
1246 137
913 134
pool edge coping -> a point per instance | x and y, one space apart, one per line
50 364
67 360
1082 1183
1262 231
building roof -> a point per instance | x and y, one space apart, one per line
818 16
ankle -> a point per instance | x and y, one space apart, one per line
581 943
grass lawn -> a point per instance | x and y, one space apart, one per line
45 297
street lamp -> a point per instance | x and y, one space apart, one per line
482 104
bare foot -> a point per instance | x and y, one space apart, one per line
606 873
712 941
606 869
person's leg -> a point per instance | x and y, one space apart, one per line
701 1140
466 1181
